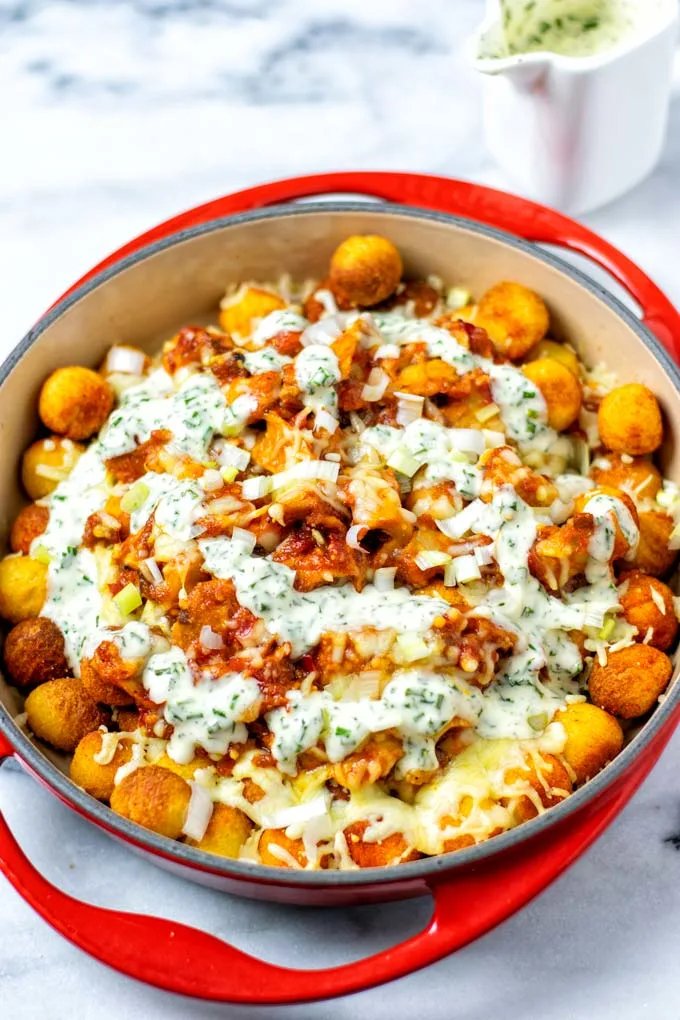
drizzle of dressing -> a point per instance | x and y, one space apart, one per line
267 589
204 711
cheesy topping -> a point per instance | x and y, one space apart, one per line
352 638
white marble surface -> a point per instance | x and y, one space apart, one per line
117 114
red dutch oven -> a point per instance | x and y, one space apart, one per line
176 273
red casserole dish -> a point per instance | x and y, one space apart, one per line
178 270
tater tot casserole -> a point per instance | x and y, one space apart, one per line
370 569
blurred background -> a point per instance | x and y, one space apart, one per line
119 113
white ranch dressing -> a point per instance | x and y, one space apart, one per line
267 589
204 711
316 373
176 502
521 405
282 320
73 600
607 511
442 449
266 359
573 28
193 413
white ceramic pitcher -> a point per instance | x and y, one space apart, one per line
576 132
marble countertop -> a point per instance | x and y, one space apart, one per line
119 114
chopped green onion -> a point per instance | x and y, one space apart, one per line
41 554
135 497
607 629
128 599
402 461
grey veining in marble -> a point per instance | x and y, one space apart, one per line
115 115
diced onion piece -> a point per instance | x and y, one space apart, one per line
135 497
257 487
354 535
321 470
211 480
403 462
493 439
55 474
383 579
593 615
458 297
375 386
195 530
487 412
581 455
606 631
674 538
298 814
450 579
325 331
456 525
325 297
469 440
228 473
386 351
210 641
199 812
467 569
128 599
409 408
367 684
41 554
409 647
657 599
233 456
153 570
126 360
244 537
325 420
484 555
429 558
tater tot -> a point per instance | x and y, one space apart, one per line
23 587
653 555
551 784
631 682
648 605
62 712
515 318
637 476
75 402
594 738
365 270
556 352
239 313
48 462
91 776
186 771
279 850
34 653
155 798
29 523
227 831
393 849
560 388
629 420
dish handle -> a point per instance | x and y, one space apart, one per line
181 959
515 215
